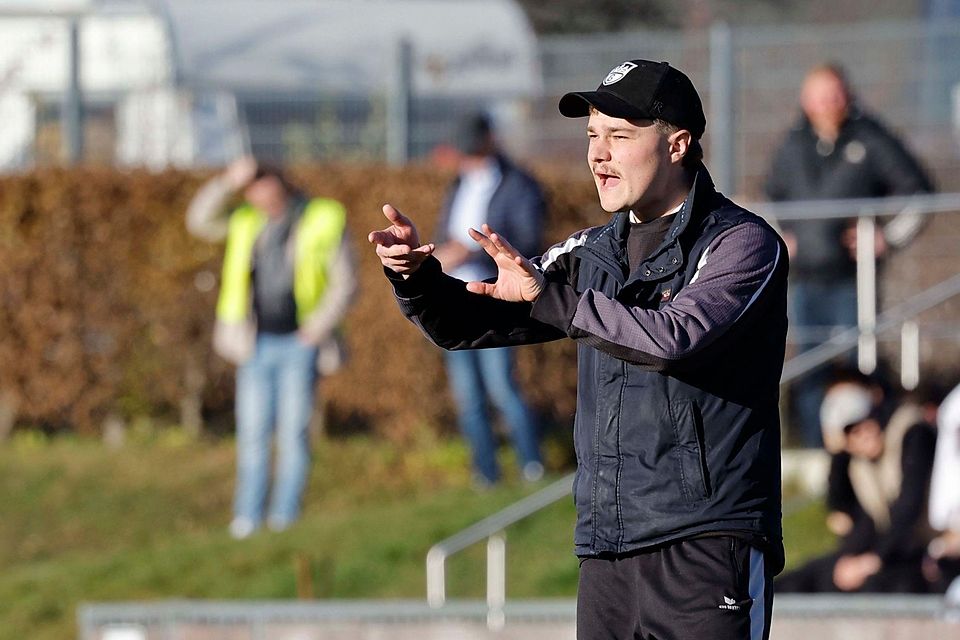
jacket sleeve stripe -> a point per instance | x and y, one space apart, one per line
556 251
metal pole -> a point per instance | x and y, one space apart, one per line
722 123
866 294
71 115
398 107
496 580
436 580
910 355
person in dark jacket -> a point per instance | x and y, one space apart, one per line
678 307
489 189
884 473
835 151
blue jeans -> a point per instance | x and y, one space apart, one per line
474 375
818 309
275 388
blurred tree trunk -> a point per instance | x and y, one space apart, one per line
8 414
191 402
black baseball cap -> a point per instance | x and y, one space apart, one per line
642 89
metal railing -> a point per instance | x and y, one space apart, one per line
492 529
899 315
866 211
850 617
863 337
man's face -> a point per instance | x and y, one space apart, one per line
865 439
824 99
630 162
267 194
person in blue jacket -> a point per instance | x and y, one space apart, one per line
489 189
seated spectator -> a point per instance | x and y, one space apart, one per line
851 393
880 477
945 494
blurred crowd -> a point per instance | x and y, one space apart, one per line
892 497
892 493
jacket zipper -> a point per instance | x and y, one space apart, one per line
614 269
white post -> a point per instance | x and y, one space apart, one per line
723 125
866 294
71 112
398 104
436 578
496 580
910 355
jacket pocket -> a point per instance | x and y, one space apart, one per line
690 451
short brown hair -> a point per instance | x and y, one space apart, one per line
267 169
694 156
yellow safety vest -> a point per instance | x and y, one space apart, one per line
317 236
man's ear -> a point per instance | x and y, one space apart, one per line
679 142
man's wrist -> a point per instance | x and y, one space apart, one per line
541 283
409 285
556 305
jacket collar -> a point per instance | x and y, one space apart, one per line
668 258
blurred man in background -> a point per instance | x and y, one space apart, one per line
489 189
288 276
882 491
835 151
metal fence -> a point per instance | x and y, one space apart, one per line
906 72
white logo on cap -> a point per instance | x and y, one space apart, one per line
617 74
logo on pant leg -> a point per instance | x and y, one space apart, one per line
730 604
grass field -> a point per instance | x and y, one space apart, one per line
80 522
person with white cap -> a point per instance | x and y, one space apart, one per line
885 467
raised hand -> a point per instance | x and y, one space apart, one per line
517 279
398 246
241 172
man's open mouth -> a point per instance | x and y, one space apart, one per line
607 180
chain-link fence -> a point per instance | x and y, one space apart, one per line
183 100
907 73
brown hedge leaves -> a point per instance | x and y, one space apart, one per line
107 302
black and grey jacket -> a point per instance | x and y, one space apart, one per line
866 161
677 429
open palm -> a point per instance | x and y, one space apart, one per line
517 279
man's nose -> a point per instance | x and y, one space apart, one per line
598 150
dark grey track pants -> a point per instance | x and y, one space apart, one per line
713 588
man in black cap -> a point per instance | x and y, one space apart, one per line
678 307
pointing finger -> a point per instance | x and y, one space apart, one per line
396 217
